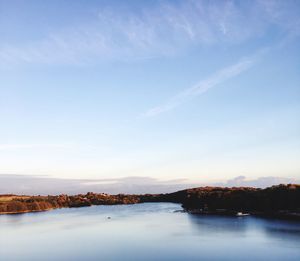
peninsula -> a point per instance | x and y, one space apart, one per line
281 201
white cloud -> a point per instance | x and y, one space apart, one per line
163 29
262 182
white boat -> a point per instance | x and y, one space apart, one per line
241 214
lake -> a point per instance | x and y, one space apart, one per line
150 231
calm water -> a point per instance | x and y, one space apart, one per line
144 232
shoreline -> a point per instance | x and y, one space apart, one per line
276 215
26 211
281 201
280 216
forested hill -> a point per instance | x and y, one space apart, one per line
273 200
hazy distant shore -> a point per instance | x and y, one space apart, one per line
280 201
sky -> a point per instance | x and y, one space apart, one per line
193 90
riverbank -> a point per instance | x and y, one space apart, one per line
280 201
271 215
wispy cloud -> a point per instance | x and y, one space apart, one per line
30 146
202 86
164 28
45 185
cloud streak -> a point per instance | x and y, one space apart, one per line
201 87
30 146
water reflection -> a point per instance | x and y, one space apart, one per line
147 232
218 224
285 233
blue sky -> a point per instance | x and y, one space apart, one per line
202 90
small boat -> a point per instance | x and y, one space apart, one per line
241 214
